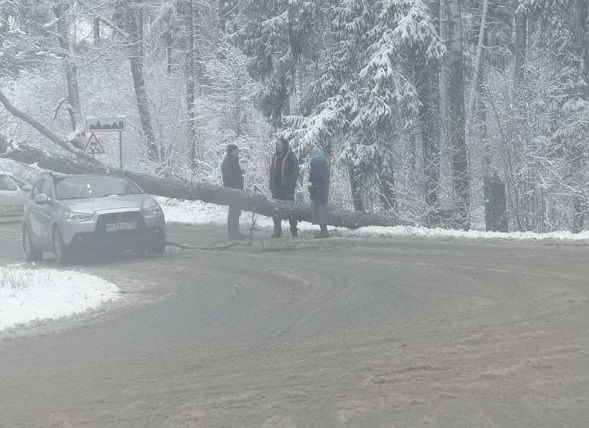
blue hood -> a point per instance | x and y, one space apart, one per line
317 153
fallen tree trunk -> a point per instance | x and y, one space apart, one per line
182 189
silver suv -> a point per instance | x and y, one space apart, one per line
66 214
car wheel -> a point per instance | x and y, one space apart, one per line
31 253
59 248
159 245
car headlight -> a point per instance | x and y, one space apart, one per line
152 211
78 217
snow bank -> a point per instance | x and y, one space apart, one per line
33 294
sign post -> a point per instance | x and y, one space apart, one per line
108 124
121 150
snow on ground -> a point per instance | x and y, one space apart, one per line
196 212
35 294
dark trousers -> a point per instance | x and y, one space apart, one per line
233 221
278 226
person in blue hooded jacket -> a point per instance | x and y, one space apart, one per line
319 190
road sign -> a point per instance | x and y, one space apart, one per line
93 146
105 124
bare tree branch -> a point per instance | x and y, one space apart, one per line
58 107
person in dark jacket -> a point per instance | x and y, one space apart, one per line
284 171
319 190
233 178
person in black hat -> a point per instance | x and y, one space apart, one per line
232 178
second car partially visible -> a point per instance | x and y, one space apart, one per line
13 195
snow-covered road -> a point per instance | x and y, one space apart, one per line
32 293
362 331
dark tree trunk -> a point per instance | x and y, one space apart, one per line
430 135
521 37
429 116
386 181
356 188
4 144
444 79
578 213
582 35
143 107
189 24
131 17
71 74
96 31
522 188
456 113
169 40
583 8
495 204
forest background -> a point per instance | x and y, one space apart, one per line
454 113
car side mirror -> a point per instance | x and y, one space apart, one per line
41 199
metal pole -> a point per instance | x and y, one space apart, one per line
121 150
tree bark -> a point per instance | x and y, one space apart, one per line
521 188
477 71
4 143
356 189
71 74
456 113
444 78
386 181
580 198
430 134
180 189
96 31
190 81
131 18
583 9
520 37
428 89
578 213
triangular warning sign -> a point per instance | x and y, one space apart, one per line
93 146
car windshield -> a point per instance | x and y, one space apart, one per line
6 183
93 187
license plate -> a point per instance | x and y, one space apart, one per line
122 225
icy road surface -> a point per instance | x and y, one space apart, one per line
341 332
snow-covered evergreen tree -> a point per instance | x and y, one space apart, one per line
275 34
364 98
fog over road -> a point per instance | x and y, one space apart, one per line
340 332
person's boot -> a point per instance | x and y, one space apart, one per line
323 233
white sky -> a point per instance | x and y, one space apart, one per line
29 293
